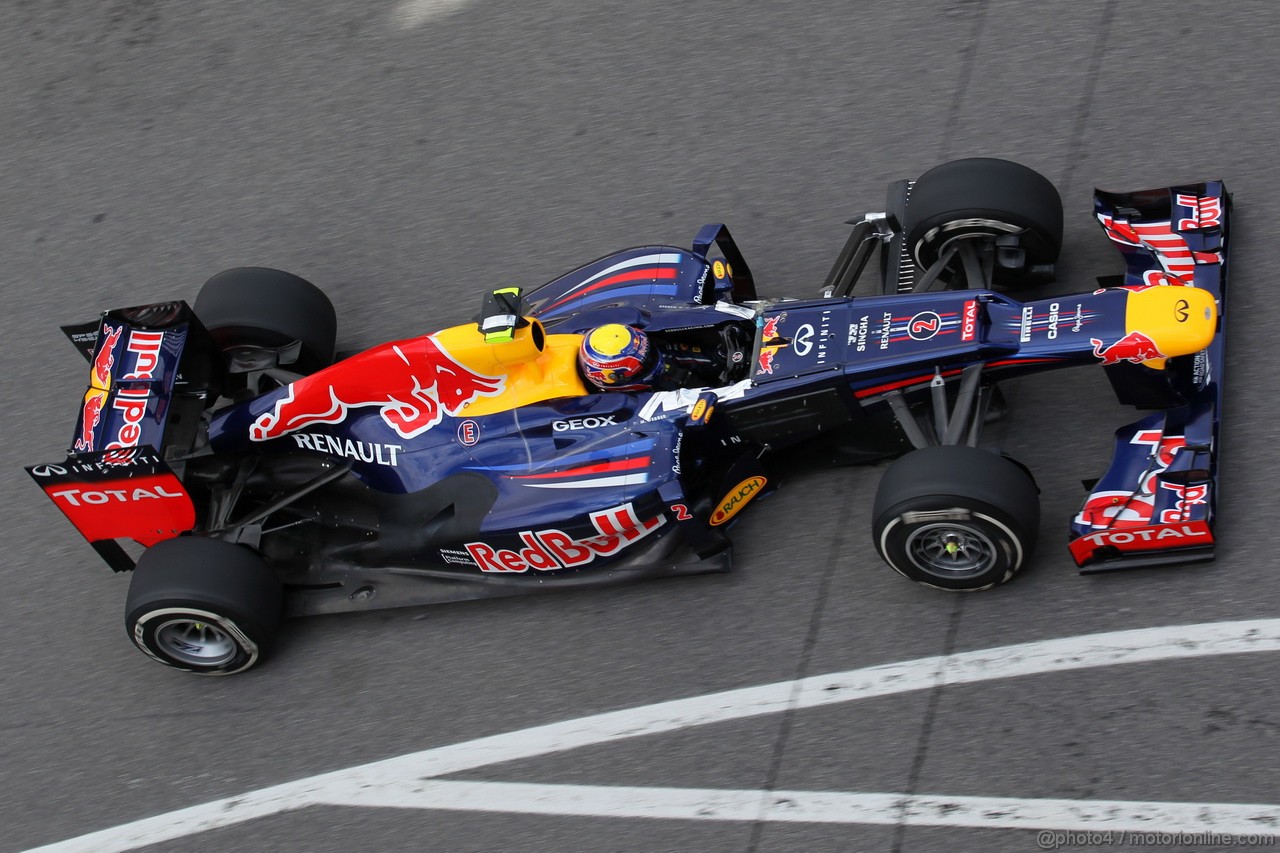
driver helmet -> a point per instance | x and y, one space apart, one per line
615 357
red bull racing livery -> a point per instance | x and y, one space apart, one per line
261 477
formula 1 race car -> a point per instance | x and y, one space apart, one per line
263 478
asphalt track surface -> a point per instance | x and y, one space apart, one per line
407 157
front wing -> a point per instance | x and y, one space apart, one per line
1157 502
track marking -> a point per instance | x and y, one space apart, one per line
821 807
406 781
414 13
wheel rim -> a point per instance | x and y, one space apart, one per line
195 642
969 229
950 551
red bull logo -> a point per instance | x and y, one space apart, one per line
145 347
770 331
100 373
1189 497
767 355
131 403
90 417
413 384
551 550
1205 212
99 386
1164 447
1134 347
1119 509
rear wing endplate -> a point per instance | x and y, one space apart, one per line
151 368
126 493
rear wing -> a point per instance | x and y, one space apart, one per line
118 494
140 385
1157 503
151 370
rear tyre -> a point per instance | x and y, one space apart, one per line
983 198
956 518
203 605
259 307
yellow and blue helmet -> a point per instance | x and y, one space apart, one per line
615 357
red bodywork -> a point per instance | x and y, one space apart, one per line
145 507
1134 347
412 382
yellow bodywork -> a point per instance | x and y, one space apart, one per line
1180 320
532 373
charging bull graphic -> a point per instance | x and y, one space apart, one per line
772 341
100 384
413 384
770 331
1135 347
101 371
766 359
90 417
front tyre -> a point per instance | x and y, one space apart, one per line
983 199
203 605
956 518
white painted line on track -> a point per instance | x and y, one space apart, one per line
415 13
406 781
821 807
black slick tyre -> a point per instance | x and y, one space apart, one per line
956 518
203 605
269 308
982 197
